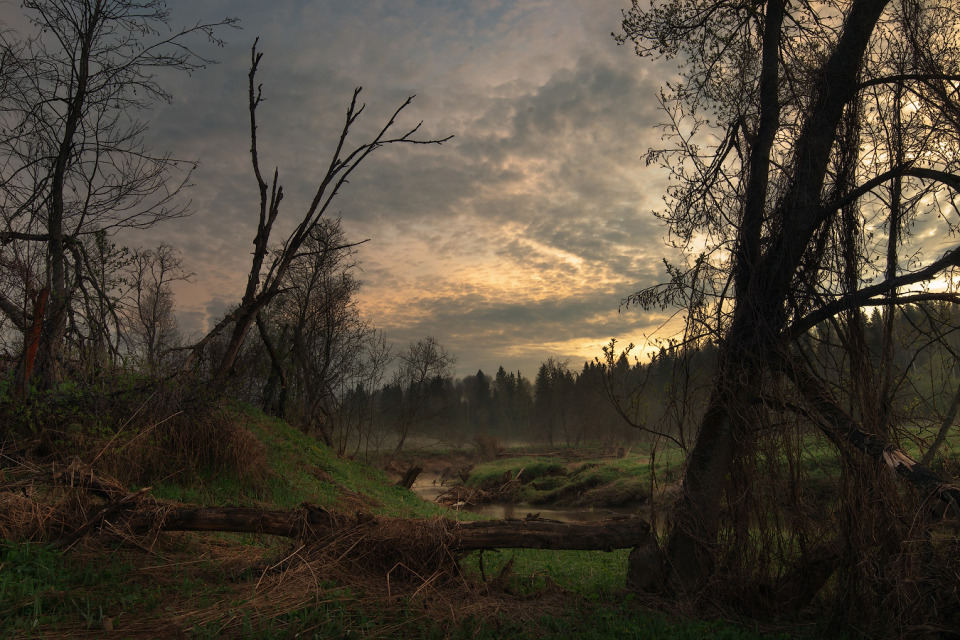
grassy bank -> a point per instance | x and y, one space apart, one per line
213 585
165 593
571 480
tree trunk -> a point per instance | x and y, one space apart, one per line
616 533
410 476
763 282
55 322
697 514
837 425
690 546
945 427
31 343
240 330
277 374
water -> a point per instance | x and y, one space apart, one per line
500 511
428 487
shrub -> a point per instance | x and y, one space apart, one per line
487 448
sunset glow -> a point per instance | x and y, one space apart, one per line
515 241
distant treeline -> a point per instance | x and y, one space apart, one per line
615 400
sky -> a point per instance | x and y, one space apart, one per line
513 242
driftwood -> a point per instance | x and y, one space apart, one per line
530 533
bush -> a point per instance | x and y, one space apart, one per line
138 430
487 448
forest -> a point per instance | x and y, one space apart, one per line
809 398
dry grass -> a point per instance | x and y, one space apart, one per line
136 434
205 438
305 583
393 565
34 508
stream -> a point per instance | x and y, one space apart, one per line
428 487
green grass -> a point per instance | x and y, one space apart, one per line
592 574
555 481
40 587
299 470
625 620
44 592
489 475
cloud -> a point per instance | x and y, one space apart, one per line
512 242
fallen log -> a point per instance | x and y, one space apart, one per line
309 522
606 535
136 515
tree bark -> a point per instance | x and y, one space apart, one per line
763 281
616 533
32 343
410 476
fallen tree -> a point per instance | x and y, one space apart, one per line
137 513
313 523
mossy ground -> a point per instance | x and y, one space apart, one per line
574 480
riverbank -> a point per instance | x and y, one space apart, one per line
212 585
567 485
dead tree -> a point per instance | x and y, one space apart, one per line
265 280
74 162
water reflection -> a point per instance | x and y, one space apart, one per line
500 511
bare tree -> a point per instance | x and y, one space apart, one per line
319 325
94 318
266 277
149 323
72 155
358 412
778 170
420 363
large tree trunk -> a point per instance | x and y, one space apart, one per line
763 274
697 514
55 320
240 330
723 428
